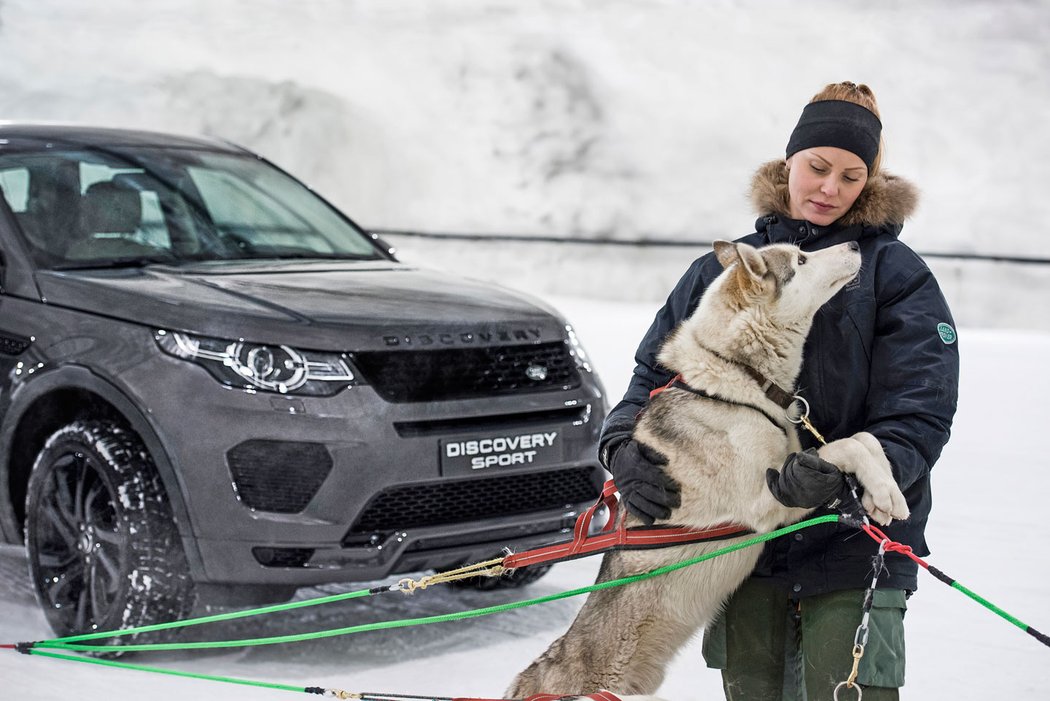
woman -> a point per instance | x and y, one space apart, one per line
881 357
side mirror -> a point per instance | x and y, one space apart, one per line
388 249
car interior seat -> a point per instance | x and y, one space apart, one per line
109 213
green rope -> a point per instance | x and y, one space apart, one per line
385 625
990 606
276 608
171 672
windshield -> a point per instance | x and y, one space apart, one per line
102 208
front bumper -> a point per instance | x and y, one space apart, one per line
375 448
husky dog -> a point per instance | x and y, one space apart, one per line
750 323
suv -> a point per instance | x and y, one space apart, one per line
215 387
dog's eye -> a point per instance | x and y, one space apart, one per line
801 259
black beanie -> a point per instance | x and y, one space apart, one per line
837 123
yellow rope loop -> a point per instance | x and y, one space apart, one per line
340 694
488 568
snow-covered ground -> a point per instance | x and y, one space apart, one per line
991 487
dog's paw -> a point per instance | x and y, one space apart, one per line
862 455
878 513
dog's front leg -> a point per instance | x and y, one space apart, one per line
862 455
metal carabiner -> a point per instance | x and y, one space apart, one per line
860 692
804 419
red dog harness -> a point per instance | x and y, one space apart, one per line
616 536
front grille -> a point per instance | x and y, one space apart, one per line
278 476
462 373
438 503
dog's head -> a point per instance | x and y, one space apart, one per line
760 309
785 283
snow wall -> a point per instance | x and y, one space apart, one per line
622 119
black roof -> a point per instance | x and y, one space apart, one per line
34 134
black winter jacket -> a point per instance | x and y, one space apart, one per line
881 357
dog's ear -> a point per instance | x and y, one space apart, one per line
752 261
725 252
749 258
753 268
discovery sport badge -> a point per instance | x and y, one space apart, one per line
462 456
536 372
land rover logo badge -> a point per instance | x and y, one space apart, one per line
947 333
536 372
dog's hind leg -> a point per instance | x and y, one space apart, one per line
591 655
624 638
600 647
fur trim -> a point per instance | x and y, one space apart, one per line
885 199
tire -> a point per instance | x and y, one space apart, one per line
104 552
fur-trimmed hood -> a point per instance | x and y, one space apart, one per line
885 200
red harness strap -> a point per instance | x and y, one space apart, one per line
657 391
616 535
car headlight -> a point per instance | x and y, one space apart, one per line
256 366
579 354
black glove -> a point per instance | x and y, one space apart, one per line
645 489
807 481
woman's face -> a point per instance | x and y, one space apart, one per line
824 182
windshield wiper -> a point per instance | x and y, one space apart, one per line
309 256
136 262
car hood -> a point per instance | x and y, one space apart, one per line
319 304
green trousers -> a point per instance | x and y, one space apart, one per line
772 648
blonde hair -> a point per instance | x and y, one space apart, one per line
859 95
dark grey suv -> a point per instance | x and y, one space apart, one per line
214 386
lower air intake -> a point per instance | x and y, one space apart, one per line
438 503
278 476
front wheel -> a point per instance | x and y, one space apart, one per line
104 552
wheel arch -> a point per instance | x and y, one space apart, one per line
53 400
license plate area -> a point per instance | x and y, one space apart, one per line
501 451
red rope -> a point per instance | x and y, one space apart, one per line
7 647
892 546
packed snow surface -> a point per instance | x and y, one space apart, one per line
990 489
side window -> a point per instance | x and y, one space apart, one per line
14 183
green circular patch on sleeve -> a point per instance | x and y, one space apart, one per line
947 333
